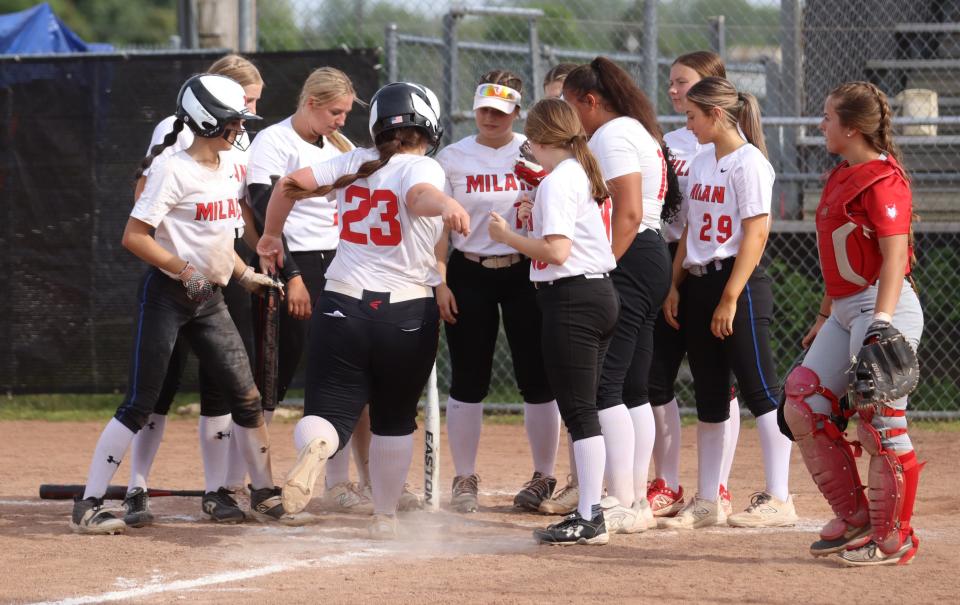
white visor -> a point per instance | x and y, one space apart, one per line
496 96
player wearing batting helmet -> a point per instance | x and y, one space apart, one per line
865 244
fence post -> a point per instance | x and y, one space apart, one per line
791 98
390 43
247 26
187 23
650 51
450 70
718 35
536 61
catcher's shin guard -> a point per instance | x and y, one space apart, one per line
892 491
829 457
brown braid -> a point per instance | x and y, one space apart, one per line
389 143
157 149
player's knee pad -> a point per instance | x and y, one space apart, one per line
247 412
828 456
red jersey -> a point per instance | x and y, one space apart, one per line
859 205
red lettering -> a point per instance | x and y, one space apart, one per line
510 183
486 181
220 213
717 195
496 183
475 183
383 200
204 212
681 168
695 191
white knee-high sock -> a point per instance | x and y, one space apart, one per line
314 427
591 457
338 467
216 433
645 432
730 442
236 476
542 422
776 456
618 439
255 446
710 441
389 463
464 421
666 450
143 450
573 462
111 447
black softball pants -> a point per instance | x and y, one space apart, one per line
164 314
746 352
380 354
579 316
293 332
642 280
484 296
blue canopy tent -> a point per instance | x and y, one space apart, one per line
38 30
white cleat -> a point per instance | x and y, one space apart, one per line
300 481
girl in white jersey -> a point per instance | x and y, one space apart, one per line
718 262
628 143
222 458
665 493
192 201
373 338
485 280
310 136
569 246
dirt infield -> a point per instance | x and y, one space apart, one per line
488 557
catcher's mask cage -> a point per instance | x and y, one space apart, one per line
207 103
404 105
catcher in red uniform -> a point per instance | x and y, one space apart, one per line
863 341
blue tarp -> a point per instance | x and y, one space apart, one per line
38 30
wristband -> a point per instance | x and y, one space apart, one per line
822 315
881 316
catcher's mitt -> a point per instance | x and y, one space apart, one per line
527 169
884 370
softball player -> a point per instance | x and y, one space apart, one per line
374 334
192 201
485 280
864 240
628 143
718 263
571 262
564 500
665 493
221 457
310 136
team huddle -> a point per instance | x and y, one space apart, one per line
608 249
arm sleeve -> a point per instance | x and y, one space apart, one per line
161 194
258 197
889 206
753 186
558 202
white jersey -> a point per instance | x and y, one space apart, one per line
194 210
279 150
683 147
721 195
623 146
383 247
481 178
565 207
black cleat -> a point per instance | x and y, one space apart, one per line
534 492
137 508
574 529
266 506
221 507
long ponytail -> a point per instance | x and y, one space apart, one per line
748 117
739 108
157 149
389 143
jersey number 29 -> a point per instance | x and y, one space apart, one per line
383 229
724 228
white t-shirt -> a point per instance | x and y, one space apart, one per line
279 150
194 210
565 207
623 146
383 247
683 146
481 178
722 194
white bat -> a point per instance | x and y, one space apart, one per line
431 446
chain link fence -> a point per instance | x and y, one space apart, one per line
789 53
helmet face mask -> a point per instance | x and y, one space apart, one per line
207 103
406 105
